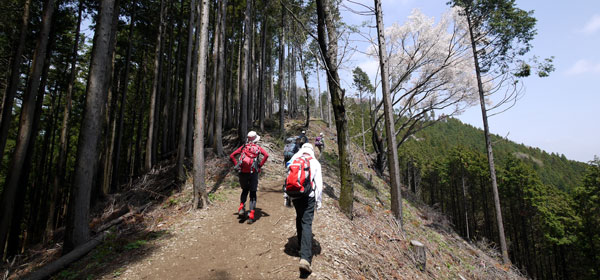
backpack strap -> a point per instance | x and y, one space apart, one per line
239 162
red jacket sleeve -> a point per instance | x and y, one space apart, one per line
265 154
236 152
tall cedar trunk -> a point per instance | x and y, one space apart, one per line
77 231
200 194
210 107
250 62
38 212
136 113
238 83
243 129
281 62
318 86
488 146
186 96
159 94
59 175
109 144
25 127
177 101
229 90
13 84
193 86
362 122
124 86
464 189
166 106
271 82
305 80
262 73
294 88
524 227
15 243
329 47
392 151
138 139
155 88
289 58
105 173
238 78
329 109
218 135
14 239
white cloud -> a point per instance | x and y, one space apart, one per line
592 25
583 66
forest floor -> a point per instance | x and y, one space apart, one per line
169 240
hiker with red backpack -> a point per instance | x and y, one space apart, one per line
304 186
249 167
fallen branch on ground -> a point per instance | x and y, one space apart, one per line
122 218
55 266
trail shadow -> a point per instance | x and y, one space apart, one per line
220 179
292 247
219 275
258 213
329 191
273 189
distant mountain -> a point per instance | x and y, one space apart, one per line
440 138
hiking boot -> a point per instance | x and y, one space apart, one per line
241 210
305 266
251 217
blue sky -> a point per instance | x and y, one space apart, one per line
558 113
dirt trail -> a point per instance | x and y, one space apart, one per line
215 244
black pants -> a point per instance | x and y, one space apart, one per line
249 183
305 212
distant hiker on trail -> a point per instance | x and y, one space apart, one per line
248 166
304 185
320 142
290 149
300 140
303 138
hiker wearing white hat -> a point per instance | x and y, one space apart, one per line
303 138
304 185
248 166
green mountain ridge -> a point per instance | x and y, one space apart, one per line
437 140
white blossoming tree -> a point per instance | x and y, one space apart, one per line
430 69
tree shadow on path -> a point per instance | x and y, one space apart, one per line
220 275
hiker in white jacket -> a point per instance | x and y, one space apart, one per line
305 207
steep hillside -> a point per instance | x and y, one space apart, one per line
169 240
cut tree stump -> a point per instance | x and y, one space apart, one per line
420 255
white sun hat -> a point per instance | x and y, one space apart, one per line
307 148
253 137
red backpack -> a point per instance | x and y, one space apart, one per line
248 161
298 182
